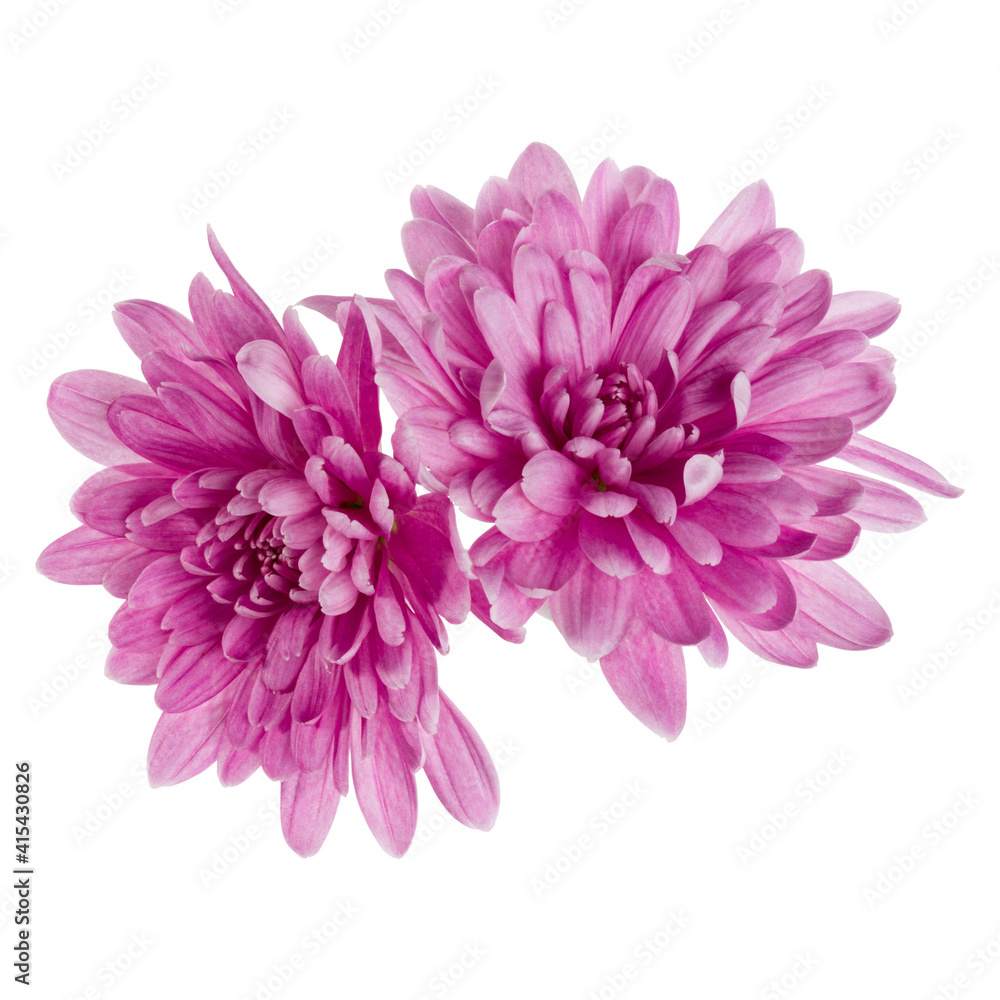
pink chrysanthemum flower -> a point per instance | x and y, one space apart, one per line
283 582
645 429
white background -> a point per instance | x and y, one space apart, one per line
119 866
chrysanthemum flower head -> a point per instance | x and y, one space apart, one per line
283 582
645 429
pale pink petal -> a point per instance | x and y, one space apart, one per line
647 673
460 770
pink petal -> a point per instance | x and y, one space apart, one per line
384 785
673 605
870 312
308 806
647 674
885 508
269 373
556 227
540 168
192 675
873 456
662 196
786 646
162 582
747 216
641 233
183 745
834 492
545 565
604 203
609 503
592 612
702 474
460 770
424 241
82 556
833 537
78 404
859 391
389 617
552 482
514 343
807 300
129 667
811 440
521 520
607 543
835 609
656 324
735 519
537 281
495 197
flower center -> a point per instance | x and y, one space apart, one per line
256 570
605 406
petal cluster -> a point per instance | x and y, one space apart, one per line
645 429
283 584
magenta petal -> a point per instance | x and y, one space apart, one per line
288 494
811 440
740 583
244 638
130 667
556 227
540 168
748 215
498 196
673 605
834 492
702 474
508 333
236 764
647 673
609 503
835 609
424 241
269 373
84 555
870 312
552 482
832 537
184 745
607 543
735 519
78 404
641 233
192 675
788 646
604 203
872 456
308 806
137 629
161 582
521 520
574 610
389 617
860 391
384 785
656 324
356 364
460 770
885 508
545 565
807 299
